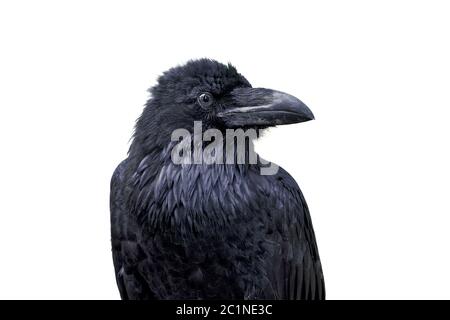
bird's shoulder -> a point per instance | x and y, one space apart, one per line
280 191
293 266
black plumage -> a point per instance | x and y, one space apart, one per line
210 231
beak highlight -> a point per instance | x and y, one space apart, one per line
264 107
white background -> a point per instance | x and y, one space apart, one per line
374 166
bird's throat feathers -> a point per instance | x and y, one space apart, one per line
188 196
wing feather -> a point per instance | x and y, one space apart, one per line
294 268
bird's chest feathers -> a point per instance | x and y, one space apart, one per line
196 196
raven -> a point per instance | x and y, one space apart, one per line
210 231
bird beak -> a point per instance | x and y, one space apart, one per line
263 107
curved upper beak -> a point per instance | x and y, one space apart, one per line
263 107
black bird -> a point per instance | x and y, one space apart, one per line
210 231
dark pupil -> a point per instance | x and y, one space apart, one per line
205 98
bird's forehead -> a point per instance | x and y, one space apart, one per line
200 76
219 84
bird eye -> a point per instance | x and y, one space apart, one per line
205 99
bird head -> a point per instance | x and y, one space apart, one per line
216 94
